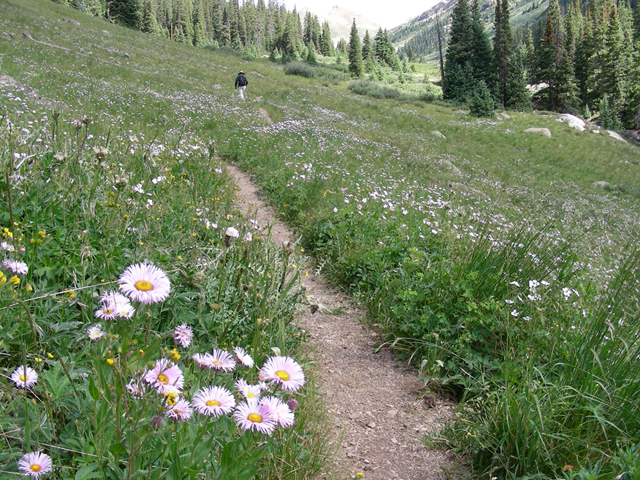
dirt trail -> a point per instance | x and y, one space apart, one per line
371 397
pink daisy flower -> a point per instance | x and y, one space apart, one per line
166 377
95 332
243 357
214 401
135 388
35 464
183 335
114 304
145 283
250 392
281 412
24 377
284 371
203 360
16 266
254 416
180 411
222 361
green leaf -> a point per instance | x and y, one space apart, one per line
93 390
87 472
118 449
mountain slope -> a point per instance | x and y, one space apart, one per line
420 34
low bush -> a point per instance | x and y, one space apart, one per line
301 69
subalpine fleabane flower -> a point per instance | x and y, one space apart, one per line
16 266
254 416
24 377
250 392
243 357
214 401
165 377
35 464
222 361
283 371
281 412
95 332
145 283
114 305
181 410
183 335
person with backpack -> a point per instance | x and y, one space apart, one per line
241 84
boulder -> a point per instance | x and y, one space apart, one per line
504 115
601 184
437 134
572 121
616 135
539 131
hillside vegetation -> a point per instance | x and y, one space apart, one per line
502 263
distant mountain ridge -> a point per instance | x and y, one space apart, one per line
340 21
420 35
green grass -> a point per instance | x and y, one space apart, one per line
430 233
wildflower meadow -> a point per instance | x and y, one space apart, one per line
146 325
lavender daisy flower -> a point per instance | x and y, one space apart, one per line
203 360
252 415
250 392
222 361
95 332
16 266
214 401
135 388
145 283
243 357
24 377
284 371
180 411
166 377
35 464
183 335
281 412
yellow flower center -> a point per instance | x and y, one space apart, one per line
217 363
213 403
163 379
35 467
254 417
23 378
143 285
250 395
282 375
107 311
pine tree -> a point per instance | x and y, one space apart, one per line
481 102
517 95
502 48
613 65
199 30
355 52
367 51
482 56
326 43
149 22
458 54
124 12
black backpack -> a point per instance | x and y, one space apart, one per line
242 81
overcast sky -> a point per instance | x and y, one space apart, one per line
387 14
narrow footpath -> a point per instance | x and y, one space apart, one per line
372 398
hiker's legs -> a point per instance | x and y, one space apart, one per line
241 91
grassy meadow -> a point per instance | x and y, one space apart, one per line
503 264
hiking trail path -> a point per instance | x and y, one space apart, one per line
373 400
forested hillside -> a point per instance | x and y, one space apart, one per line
253 28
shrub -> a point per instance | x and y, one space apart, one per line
375 90
481 103
300 69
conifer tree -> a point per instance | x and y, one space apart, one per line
481 54
613 66
517 95
355 52
124 12
502 47
367 51
199 27
458 54
149 22
326 43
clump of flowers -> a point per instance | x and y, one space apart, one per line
114 305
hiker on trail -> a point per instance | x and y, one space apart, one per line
241 84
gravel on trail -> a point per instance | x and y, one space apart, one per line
373 400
